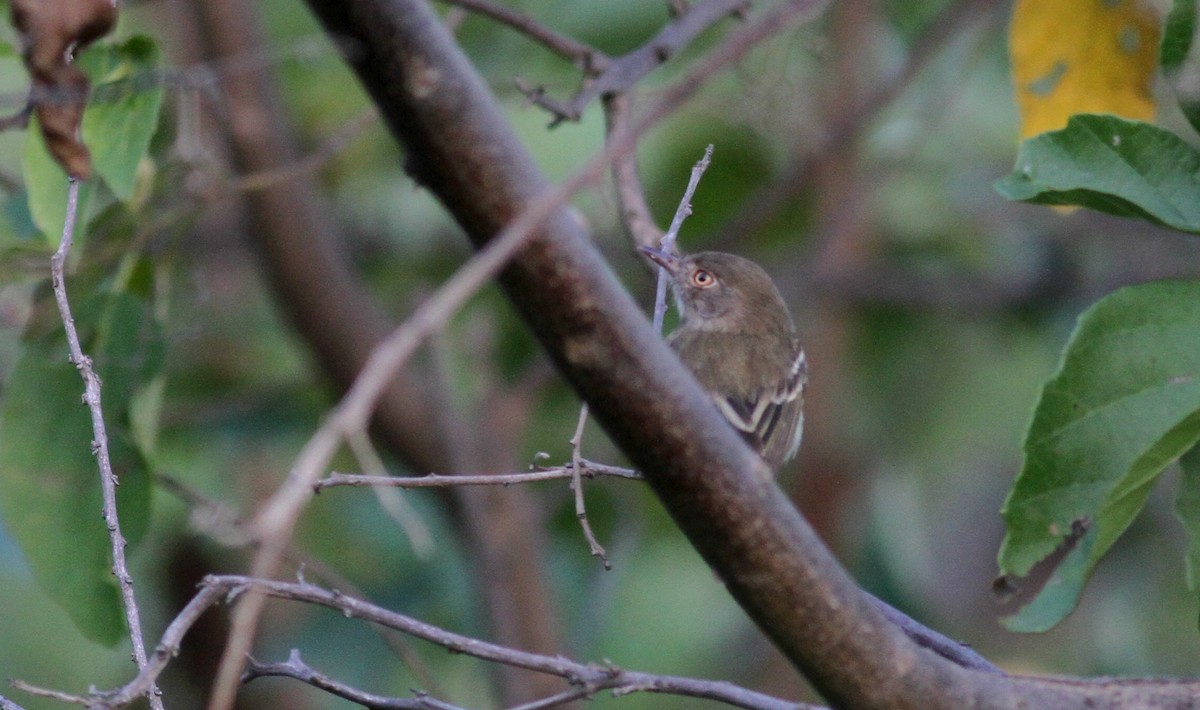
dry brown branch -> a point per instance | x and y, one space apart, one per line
295 667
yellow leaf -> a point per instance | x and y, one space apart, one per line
1083 56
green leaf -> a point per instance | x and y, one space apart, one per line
117 127
123 114
1179 60
46 184
1177 34
50 492
1106 163
1187 508
1124 404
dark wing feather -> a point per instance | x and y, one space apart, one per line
772 421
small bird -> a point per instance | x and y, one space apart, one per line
738 339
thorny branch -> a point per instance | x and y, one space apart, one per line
108 480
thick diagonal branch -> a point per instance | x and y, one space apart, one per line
461 148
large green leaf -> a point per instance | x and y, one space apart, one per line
1113 165
50 491
46 187
1124 404
121 119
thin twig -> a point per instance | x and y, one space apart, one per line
595 676
586 56
108 480
955 651
636 218
51 694
667 243
296 668
594 545
558 699
622 73
587 469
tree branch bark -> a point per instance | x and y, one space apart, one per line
459 145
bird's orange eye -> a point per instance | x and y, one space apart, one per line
702 278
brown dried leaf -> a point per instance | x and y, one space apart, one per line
51 32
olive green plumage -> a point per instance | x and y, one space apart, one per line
737 337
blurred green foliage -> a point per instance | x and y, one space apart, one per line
932 309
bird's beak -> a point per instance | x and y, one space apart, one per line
668 261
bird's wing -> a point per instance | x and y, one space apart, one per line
772 421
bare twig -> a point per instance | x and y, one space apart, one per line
296 668
639 224
51 694
587 469
556 700
590 677
622 73
594 545
587 57
667 243
108 480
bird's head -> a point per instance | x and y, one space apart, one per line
722 292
